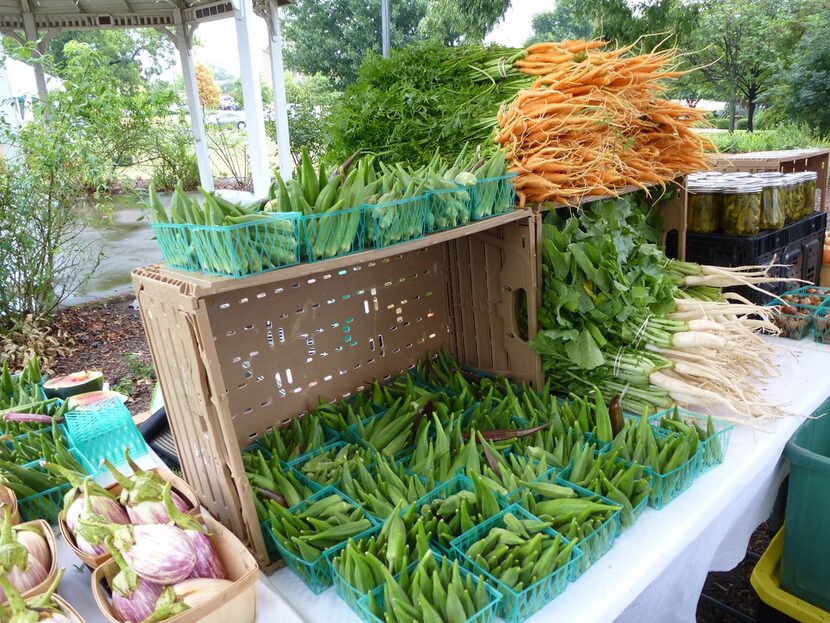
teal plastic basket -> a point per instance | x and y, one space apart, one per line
331 234
821 323
448 208
793 326
712 450
492 196
487 614
440 492
317 573
518 606
231 250
298 463
395 221
46 505
666 487
350 594
103 431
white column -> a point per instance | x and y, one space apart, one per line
184 44
252 96
280 102
7 108
31 36
384 26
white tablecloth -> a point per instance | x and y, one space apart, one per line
656 569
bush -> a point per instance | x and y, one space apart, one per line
788 136
722 124
742 124
173 157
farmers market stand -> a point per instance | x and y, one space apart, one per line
656 569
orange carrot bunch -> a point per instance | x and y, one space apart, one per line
593 122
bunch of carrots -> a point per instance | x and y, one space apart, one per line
593 121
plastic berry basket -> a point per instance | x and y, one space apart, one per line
350 594
441 492
331 234
807 291
666 487
300 462
713 449
518 606
486 614
103 431
317 573
821 323
45 505
492 196
176 245
448 208
795 321
393 222
514 496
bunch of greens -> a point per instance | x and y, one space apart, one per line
424 98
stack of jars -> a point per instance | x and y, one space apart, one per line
742 204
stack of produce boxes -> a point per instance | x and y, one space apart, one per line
449 492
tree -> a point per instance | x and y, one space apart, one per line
564 22
208 91
454 22
742 45
310 99
135 56
331 37
234 89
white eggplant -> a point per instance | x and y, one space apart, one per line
207 564
35 544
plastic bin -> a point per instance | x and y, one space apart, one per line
331 234
775 605
805 564
395 221
518 606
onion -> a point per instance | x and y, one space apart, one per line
133 599
141 494
207 564
35 544
195 592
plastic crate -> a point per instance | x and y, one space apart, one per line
103 431
793 326
712 450
448 208
804 569
486 615
775 605
317 573
231 250
395 221
518 606
492 196
331 234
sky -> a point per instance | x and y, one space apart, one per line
218 42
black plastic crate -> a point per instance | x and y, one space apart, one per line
798 246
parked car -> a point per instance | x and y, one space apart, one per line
227 118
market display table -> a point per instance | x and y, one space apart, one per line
655 570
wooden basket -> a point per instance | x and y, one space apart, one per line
46 531
178 485
15 511
237 603
67 609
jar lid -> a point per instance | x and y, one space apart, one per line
742 188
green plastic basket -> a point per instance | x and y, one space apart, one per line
298 463
103 431
232 250
666 487
518 606
448 208
46 505
793 326
712 450
492 196
331 234
317 573
345 590
821 323
395 221
487 614
443 491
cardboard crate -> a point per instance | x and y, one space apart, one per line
236 357
786 161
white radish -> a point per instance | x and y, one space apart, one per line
693 339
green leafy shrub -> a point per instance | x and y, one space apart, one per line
172 156
722 124
742 124
789 136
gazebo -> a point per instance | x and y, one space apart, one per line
36 21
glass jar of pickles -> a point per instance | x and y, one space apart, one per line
809 192
791 197
772 211
741 212
705 201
